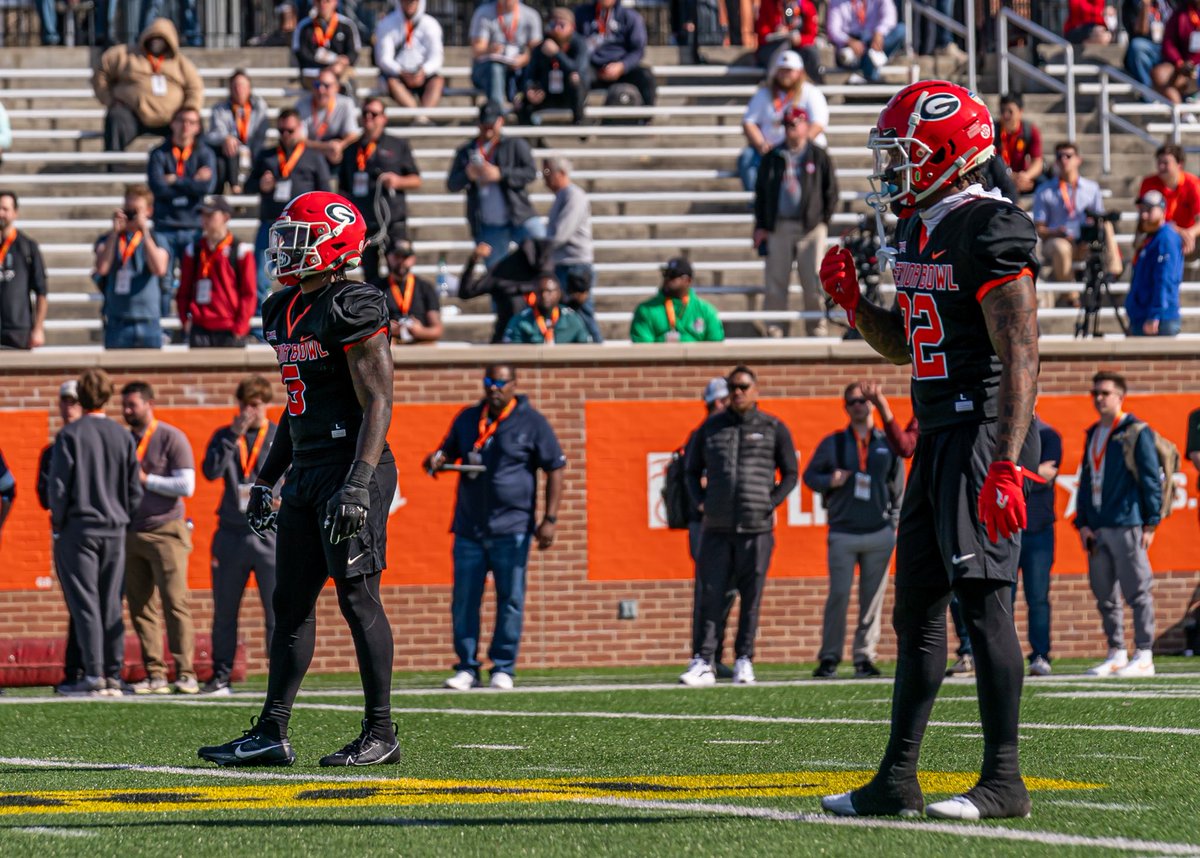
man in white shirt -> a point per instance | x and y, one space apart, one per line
409 53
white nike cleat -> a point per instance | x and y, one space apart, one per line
743 671
959 807
839 805
464 680
1117 659
1140 666
699 674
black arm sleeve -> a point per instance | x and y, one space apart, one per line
785 461
279 457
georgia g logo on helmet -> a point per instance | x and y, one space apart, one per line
340 213
939 105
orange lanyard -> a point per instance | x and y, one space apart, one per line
322 36
285 167
547 330
181 158
864 449
486 429
291 325
487 151
1068 199
145 442
241 114
128 246
249 458
510 35
9 239
364 155
860 11
1098 461
603 21
404 302
1195 19
780 103
409 26
206 256
155 62
669 306
328 112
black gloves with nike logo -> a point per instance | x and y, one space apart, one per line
260 511
346 512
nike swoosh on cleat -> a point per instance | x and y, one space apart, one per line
237 752
955 559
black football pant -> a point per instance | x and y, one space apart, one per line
640 78
732 561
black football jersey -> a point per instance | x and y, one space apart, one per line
941 279
310 335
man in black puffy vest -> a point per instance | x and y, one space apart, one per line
739 450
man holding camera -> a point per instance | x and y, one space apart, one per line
128 270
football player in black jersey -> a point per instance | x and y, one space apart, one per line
966 320
330 336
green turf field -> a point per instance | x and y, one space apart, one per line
608 762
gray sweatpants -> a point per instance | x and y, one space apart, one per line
1118 560
871 553
91 569
235 554
789 245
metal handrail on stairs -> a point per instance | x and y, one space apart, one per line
1008 18
966 29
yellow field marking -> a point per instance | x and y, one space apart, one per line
413 791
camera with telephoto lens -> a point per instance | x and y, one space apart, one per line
1091 232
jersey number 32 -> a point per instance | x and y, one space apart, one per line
923 327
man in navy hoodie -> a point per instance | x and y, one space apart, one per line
616 35
1153 299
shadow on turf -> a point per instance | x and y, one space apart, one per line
381 823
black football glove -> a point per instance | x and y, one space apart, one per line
346 512
260 512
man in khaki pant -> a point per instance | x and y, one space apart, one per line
158 544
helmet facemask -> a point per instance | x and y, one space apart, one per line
293 250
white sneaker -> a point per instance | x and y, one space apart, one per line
1039 667
959 807
855 80
743 671
1141 665
501 681
698 674
464 680
1117 659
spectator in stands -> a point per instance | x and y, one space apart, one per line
864 35
1060 212
934 39
1145 21
235 455
376 172
559 72
414 306
1086 22
1180 190
794 200
324 40
1019 144
145 87
1175 76
676 314
546 321
284 32
158 544
5 133
218 290
409 54
22 282
569 231
789 25
181 173
95 490
496 172
130 269
1037 547
508 281
502 36
762 123
330 118
616 35
237 129
1152 303
1117 510
281 174
862 482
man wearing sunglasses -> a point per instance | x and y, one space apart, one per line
558 71
494 517
329 117
861 481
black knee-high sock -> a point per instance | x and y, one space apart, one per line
999 674
363 610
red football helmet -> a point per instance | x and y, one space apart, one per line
318 231
929 134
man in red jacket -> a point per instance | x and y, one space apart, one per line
789 25
217 282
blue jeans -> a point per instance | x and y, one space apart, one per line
960 627
586 310
892 42
1166 328
495 80
190 34
748 162
133 334
1141 56
175 242
1037 556
498 237
506 557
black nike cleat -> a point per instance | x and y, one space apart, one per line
253 749
366 750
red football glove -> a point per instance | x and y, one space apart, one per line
839 278
1002 501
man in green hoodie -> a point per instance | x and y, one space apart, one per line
676 314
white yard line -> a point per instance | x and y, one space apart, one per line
198 771
740 742
1119 694
54 832
980 832
1092 805
493 747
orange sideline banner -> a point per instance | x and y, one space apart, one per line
629 445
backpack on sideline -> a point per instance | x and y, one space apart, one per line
1169 461
676 503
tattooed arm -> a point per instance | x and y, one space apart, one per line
1011 314
884 331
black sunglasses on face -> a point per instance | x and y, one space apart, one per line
373 113
860 400
744 386
495 383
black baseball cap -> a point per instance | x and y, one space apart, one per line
216 204
490 112
400 247
678 266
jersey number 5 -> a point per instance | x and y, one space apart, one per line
923 326
295 388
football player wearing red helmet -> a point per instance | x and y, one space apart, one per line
330 337
966 320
